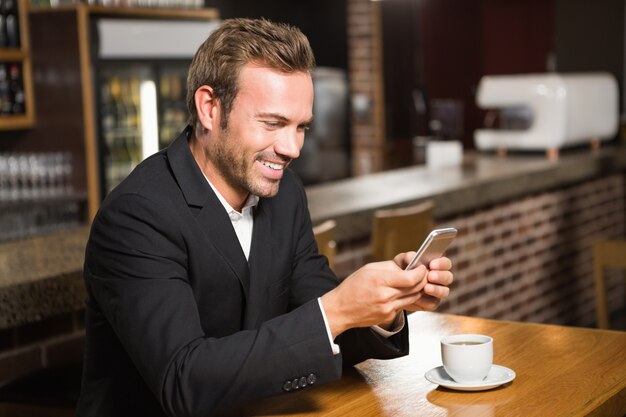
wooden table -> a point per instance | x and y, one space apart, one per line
561 371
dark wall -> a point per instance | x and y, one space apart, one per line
445 46
402 69
590 36
517 35
323 21
452 54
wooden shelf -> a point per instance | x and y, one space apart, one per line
76 196
17 121
12 54
138 12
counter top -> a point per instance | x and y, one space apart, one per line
482 180
41 276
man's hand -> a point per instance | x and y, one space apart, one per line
439 278
373 295
376 293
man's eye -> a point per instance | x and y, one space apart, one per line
272 124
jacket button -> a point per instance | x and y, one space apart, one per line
311 379
287 386
303 382
295 384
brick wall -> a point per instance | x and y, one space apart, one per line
53 342
530 259
366 85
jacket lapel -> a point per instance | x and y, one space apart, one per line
211 215
260 262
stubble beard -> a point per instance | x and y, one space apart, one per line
237 166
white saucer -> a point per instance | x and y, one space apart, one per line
497 376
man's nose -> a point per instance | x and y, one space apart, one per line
290 144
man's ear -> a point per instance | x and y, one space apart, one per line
207 107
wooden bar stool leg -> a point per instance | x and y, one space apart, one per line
552 154
595 145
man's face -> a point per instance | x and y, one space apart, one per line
265 130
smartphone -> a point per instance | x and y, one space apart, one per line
433 247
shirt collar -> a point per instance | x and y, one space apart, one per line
251 201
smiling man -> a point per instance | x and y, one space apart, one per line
205 286
248 153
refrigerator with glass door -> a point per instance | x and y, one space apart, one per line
140 69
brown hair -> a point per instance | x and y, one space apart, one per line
235 43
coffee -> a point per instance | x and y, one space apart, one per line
466 343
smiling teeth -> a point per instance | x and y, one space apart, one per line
273 166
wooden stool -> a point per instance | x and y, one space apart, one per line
325 238
400 229
606 254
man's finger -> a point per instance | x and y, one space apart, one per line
406 279
442 264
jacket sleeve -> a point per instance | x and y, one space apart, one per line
313 277
135 271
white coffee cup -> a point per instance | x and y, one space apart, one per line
467 358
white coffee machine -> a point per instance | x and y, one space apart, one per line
560 110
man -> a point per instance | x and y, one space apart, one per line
205 286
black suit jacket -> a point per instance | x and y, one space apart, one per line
179 323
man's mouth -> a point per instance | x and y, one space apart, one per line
273 165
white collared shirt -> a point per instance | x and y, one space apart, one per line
243 222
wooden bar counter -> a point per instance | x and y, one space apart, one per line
561 371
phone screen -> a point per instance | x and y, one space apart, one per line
433 247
